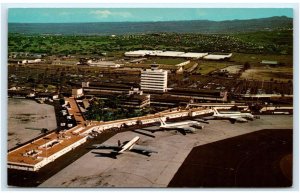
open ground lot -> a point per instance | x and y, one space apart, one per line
269 73
233 69
26 118
135 170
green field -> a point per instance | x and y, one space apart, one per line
257 58
207 67
168 61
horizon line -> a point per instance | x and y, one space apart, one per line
147 21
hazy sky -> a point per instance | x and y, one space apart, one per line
69 15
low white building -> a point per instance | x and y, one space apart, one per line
85 84
160 53
170 54
77 92
269 62
141 53
193 55
217 56
104 64
183 63
31 61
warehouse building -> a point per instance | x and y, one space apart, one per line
169 54
193 55
217 56
159 53
142 53
104 64
269 62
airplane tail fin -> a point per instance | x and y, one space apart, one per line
215 111
162 122
119 143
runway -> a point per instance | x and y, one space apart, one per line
136 170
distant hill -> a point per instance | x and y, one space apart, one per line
118 28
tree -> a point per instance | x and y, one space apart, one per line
62 101
246 66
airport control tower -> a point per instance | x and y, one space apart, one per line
154 79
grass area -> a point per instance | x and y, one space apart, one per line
257 58
137 65
207 67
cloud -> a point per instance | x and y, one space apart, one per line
99 13
107 13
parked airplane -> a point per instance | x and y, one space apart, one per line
183 127
120 148
43 130
231 116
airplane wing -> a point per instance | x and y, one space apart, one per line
239 119
181 130
142 149
188 128
202 121
209 118
100 146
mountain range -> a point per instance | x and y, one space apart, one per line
119 28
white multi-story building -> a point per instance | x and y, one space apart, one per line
154 79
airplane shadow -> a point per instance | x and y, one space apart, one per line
202 121
100 154
143 133
179 130
141 153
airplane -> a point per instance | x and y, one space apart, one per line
182 127
231 116
121 148
43 130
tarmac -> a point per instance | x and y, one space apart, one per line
257 159
26 118
136 170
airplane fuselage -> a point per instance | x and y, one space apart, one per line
230 115
129 145
180 124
